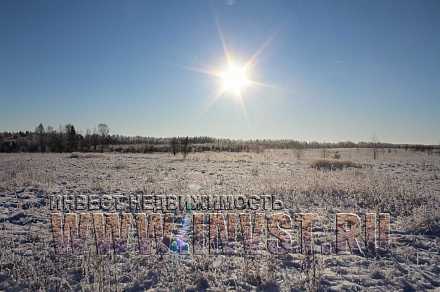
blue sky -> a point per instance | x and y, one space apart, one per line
338 70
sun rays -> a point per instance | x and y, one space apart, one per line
234 77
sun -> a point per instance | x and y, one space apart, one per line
234 79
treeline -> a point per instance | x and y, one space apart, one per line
67 139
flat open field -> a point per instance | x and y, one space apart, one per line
405 184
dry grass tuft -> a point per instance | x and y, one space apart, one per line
330 164
424 221
84 155
74 155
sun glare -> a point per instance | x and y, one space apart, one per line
234 79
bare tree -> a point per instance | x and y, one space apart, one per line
375 145
39 130
94 139
174 145
55 139
87 140
185 147
71 138
103 131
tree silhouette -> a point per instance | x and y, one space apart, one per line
375 144
39 130
185 147
103 131
71 138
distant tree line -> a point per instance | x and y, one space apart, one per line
68 139
65 139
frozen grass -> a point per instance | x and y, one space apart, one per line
328 164
406 184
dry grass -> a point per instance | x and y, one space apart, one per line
405 184
333 164
85 155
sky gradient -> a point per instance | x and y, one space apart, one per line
338 70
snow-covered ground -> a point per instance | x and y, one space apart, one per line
404 183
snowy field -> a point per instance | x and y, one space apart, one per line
405 184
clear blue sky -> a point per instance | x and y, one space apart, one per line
341 70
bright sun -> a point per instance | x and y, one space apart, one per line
234 79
